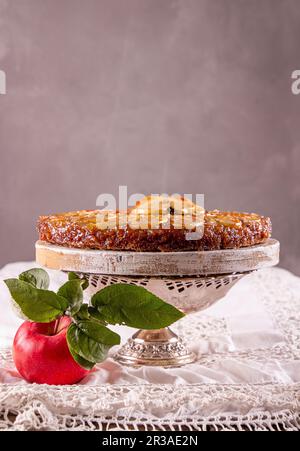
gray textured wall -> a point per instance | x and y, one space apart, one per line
161 95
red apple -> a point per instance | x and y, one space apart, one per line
41 353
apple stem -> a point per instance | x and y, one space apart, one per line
56 325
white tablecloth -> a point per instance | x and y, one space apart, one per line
247 373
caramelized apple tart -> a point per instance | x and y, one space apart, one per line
154 226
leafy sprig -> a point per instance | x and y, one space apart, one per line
88 336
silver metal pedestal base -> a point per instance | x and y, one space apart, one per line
160 347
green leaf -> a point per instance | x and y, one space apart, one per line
86 312
83 312
90 340
37 305
96 315
82 362
72 291
37 277
74 276
134 306
99 332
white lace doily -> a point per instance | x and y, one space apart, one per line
247 375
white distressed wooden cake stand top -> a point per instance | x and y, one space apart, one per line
191 281
158 263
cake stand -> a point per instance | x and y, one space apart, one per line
191 281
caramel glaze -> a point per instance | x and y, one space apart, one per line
222 230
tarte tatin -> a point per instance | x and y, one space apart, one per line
221 230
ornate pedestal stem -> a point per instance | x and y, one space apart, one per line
160 347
